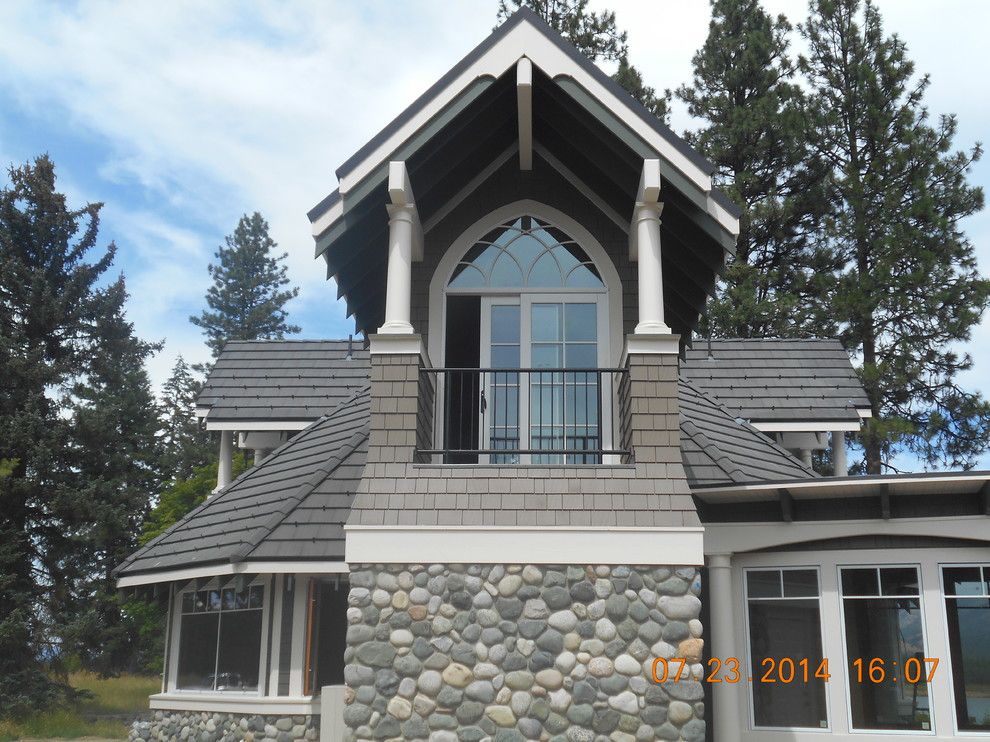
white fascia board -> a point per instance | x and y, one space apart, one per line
526 40
249 568
248 703
328 218
864 412
546 545
259 425
861 483
202 411
811 426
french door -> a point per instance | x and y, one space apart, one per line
543 391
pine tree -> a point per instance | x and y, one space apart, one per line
247 299
49 306
754 131
118 465
907 290
596 36
186 445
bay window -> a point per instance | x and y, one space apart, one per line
220 639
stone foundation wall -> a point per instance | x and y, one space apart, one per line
203 726
522 652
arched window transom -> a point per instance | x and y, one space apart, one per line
526 253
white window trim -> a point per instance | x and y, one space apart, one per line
749 651
847 660
172 689
947 660
940 689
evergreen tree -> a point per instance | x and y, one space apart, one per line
248 296
186 444
117 464
753 129
49 308
596 36
906 290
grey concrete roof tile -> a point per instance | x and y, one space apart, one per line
778 380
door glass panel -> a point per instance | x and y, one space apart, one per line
581 322
505 324
547 325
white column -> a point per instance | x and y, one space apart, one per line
226 464
840 468
720 598
399 281
260 454
646 222
806 457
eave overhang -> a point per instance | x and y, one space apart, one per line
582 123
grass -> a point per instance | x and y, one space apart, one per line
123 696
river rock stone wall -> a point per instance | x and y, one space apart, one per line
449 652
202 726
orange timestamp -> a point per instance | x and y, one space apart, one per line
785 670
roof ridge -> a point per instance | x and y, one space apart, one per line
289 504
746 425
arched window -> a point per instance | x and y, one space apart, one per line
526 318
526 253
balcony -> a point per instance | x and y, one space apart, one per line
520 416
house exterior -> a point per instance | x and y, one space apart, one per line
528 507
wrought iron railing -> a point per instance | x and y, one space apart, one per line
525 415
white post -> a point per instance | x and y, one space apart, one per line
646 220
260 454
226 464
840 468
726 695
399 281
806 457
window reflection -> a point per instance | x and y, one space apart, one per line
882 614
967 609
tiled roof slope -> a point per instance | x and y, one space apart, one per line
291 506
778 380
295 380
718 449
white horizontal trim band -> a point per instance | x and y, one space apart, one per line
245 702
809 426
217 570
247 426
551 545
864 483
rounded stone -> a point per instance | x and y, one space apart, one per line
532 575
674 631
680 607
625 702
563 621
457 675
401 638
540 661
691 649
400 708
535 608
530 728
565 661
627 665
600 667
482 600
672 586
509 585
679 713
695 627
556 598
581 713
501 715
616 607
551 641
469 712
441 625
531 628
638 611
649 597
603 588
429 682
605 630
437 584
419 596
519 680
509 608
480 690
449 698
594 647
583 592
650 632
491 636
408 666
550 679
375 654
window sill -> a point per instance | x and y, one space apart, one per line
189 700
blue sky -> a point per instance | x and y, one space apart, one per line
182 116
